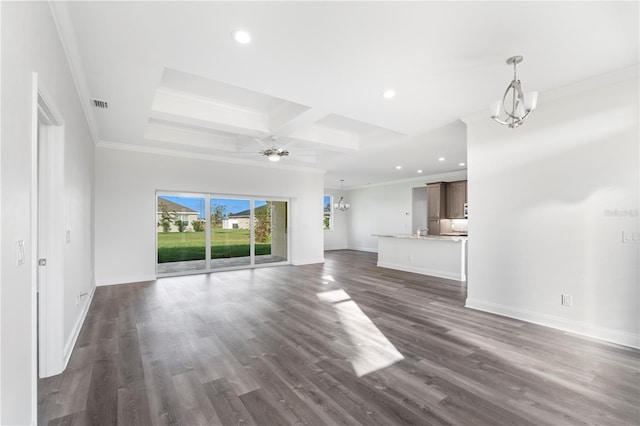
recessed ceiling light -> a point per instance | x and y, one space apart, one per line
461 164
398 167
419 171
242 37
441 159
388 94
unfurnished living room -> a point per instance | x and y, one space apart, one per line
323 213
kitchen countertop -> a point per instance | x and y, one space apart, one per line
428 237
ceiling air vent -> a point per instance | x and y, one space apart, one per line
97 103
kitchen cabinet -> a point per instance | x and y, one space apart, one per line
456 197
436 206
434 226
436 200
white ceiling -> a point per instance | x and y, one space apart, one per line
314 72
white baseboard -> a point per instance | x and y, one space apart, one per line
367 249
577 327
300 262
423 271
75 332
125 280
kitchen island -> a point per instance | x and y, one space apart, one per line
435 255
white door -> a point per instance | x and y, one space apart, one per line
50 240
42 247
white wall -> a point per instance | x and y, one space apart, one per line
1 205
419 214
126 181
385 209
30 44
336 238
543 220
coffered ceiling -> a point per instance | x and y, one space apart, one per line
176 81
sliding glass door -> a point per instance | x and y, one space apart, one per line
230 232
270 231
205 232
181 237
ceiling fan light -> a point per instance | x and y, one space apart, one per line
274 157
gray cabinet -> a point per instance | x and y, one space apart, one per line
456 197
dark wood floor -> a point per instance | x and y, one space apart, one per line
261 347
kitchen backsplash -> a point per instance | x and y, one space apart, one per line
454 225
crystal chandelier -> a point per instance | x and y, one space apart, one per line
514 103
341 205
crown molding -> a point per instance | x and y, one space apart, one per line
205 157
69 43
449 176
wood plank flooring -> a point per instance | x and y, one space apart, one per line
260 347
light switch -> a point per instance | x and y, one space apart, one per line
68 236
20 252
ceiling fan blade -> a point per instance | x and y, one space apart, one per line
261 142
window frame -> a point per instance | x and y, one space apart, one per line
329 213
208 196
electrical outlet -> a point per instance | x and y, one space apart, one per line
630 237
566 300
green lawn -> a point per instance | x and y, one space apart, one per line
183 246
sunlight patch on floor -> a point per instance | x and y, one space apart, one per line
327 278
371 350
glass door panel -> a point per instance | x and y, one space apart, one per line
230 232
180 230
270 231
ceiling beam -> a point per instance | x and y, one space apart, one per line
185 108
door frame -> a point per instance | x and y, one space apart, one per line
48 132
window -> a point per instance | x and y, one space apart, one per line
203 232
328 217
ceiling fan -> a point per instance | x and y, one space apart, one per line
272 152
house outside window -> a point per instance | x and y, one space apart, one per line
328 213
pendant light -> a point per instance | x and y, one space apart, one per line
341 205
514 103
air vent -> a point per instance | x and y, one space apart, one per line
97 103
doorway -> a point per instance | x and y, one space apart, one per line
49 238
